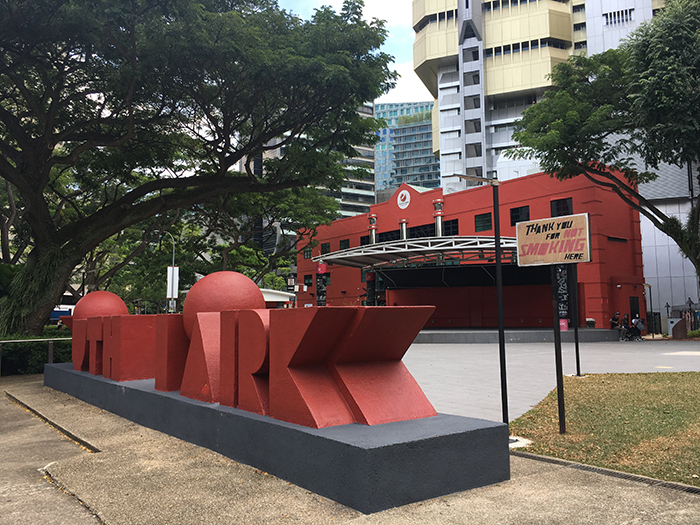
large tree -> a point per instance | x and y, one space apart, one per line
157 105
642 100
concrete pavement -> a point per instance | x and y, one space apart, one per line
142 476
465 379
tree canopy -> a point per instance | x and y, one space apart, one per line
641 99
112 112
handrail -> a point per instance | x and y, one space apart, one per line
34 340
50 341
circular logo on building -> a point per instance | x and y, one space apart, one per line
403 199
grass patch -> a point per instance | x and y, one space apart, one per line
647 424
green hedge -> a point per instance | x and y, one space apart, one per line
693 334
29 357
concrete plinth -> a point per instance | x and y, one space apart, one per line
368 468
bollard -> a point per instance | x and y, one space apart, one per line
50 352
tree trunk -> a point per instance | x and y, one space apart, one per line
35 291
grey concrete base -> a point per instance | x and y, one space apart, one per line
367 468
466 336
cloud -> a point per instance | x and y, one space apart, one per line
408 88
395 12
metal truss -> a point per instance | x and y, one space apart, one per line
423 251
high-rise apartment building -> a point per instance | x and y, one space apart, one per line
384 149
486 62
414 160
357 193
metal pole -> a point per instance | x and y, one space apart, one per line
573 294
652 321
499 287
557 351
50 352
499 298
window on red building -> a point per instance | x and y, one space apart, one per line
344 244
482 222
308 280
308 252
562 207
325 248
519 215
450 228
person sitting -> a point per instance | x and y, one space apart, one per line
615 325
637 328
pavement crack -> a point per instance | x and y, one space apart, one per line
52 481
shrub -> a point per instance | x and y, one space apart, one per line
693 334
29 357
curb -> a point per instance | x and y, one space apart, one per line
652 482
80 441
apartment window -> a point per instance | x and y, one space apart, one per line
579 8
562 207
497 51
624 16
519 215
516 48
308 252
482 222
506 50
580 27
526 46
344 244
534 44
496 4
325 248
308 280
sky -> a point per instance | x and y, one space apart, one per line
398 17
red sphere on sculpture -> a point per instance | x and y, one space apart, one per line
99 304
218 292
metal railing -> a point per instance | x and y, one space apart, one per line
50 350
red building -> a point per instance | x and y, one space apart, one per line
417 264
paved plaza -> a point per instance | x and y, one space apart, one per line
140 476
465 379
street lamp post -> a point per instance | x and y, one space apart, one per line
652 324
494 183
173 279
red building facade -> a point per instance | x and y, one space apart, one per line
463 289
